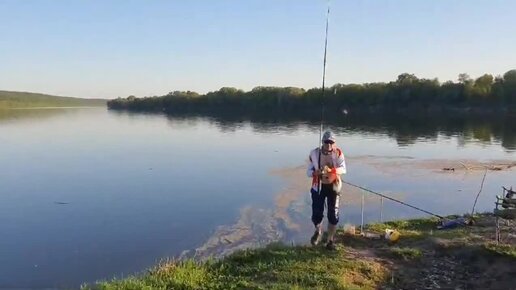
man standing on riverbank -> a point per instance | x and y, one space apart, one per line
325 167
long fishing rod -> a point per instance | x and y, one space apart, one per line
393 199
323 89
324 71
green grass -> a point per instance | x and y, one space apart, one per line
415 228
27 100
421 228
501 249
356 264
274 267
168 275
406 253
451 233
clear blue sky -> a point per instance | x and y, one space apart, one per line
108 49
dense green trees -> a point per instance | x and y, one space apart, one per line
407 92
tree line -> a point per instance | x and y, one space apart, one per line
9 99
406 92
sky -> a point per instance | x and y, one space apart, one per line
109 49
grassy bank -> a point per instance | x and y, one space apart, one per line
424 257
9 100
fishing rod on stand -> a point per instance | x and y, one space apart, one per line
393 199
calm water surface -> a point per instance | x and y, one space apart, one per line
89 194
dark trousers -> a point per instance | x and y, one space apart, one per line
327 193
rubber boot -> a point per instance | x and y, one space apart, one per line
331 235
316 238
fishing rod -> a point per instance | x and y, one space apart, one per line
393 199
323 89
324 71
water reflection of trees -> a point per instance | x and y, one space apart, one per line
11 115
405 129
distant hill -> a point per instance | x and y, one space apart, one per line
27 100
